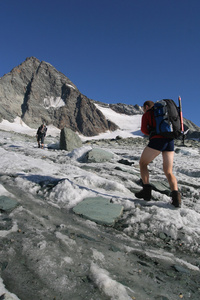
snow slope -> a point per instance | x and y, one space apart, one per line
152 252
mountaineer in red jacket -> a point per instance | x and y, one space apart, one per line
157 144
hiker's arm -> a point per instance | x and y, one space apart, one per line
45 132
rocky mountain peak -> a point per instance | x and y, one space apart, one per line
37 92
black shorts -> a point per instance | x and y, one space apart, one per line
161 144
40 138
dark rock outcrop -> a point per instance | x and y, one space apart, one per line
126 109
121 108
37 92
193 131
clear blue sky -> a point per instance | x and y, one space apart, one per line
126 51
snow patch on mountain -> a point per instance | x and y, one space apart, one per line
53 102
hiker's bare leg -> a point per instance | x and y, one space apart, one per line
147 156
168 158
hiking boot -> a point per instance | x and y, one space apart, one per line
145 193
176 199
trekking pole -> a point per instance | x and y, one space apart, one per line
181 117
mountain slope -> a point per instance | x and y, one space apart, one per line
37 92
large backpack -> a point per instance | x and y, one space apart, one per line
167 117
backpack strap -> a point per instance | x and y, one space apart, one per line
152 130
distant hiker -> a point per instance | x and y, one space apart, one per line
41 133
156 145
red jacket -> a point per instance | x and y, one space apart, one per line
148 124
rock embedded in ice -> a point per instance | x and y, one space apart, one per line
99 210
98 155
7 204
161 186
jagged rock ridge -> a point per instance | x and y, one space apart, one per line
193 131
122 108
37 92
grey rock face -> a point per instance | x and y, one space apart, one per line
37 92
14 89
69 140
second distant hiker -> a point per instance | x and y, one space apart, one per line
41 133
